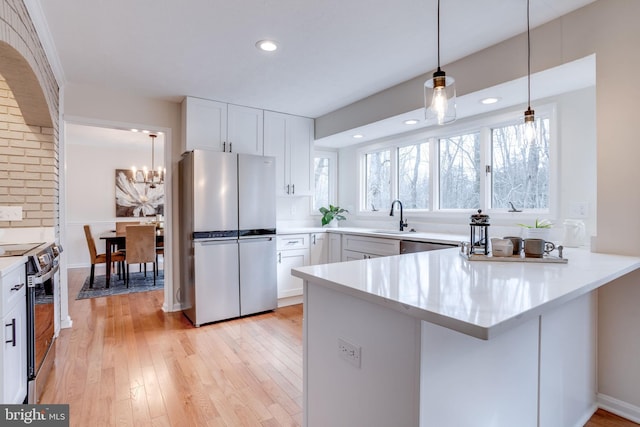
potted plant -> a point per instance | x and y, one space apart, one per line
539 230
332 215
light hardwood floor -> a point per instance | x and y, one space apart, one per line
127 363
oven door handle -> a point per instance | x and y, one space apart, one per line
38 280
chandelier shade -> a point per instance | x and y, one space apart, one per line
150 177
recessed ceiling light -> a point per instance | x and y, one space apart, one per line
490 100
267 45
358 136
410 122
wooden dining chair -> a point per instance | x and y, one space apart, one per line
96 258
159 252
140 248
121 226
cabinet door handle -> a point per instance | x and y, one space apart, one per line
224 146
288 186
314 239
17 287
231 147
293 189
279 257
13 332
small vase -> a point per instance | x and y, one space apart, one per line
536 233
332 224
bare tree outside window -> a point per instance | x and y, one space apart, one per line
520 171
413 176
378 180
321 179
460 171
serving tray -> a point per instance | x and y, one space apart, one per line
514 258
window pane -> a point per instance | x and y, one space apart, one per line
520 171
321 177
460 172
377 180
413 176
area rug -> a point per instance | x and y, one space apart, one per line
137 283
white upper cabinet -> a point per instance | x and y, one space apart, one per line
290 139
204 124
219 126
244 130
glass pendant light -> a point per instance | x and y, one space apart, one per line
440 93
529 131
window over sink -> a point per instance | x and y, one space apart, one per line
480 164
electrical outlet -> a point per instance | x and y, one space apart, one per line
578 209
349 352
10 213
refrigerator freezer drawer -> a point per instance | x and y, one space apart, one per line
258 277
216 277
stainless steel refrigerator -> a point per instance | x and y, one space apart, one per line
227 235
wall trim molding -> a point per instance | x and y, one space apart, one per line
619 407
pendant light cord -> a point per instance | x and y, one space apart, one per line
439 35
528 60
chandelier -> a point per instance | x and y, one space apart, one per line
150 177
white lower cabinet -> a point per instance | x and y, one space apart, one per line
293 251
318 251
13 357
335 247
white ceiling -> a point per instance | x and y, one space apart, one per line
332 52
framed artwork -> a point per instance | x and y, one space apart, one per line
135 198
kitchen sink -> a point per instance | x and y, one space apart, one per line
392 231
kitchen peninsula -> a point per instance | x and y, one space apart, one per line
432 339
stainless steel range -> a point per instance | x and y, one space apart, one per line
42 266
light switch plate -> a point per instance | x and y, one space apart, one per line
10 213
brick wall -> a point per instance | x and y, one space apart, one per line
29 154
28 172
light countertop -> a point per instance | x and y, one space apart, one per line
7 264
418 236
477 298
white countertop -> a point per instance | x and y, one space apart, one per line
384 233
9 263
477 298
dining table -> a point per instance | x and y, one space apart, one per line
114 240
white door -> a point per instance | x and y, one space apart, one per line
289 286
275 145
205 124
14 356
244 130
319 248
300 141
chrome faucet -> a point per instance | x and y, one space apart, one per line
403 223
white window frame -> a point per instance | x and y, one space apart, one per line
333 177
484 125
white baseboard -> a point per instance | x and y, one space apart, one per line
283 302
618 407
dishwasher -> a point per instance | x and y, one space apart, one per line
410 246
